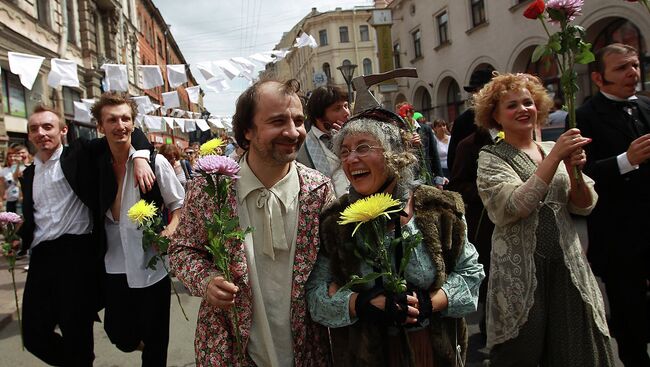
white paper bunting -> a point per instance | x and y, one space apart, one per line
63 73
190 126
26 67
82 112
176 75
228 68
304 40
170 99
216 122
116 77
193 93
151 76
202 124
153 122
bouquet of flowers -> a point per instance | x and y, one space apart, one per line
411 124
371 215
644 2
8 224
145 215
567 45
219 173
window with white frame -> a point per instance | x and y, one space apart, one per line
343 34
13 95
397 58
443 28
478 12
43 12
322 37
364 33
417 43
367 66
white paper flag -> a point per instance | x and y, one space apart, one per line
216 122
169 121
217 84
176 75
259 57
202 124
144 104
193 93
244 63
280 54
178 112
227 122
180 123
138 120
228 68
26 67
151 76
170 99
63 72
116 77
305 40
190 126
81 112
153 122
206 69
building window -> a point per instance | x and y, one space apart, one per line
364 33
417 45
478 12
343 34
327 70
160 47
322 37
346 62
43 12
443 21
70 95
13 95
397 59
367 67
72 29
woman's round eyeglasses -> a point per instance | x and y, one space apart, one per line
362 150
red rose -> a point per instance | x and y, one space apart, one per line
535 9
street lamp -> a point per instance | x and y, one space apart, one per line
347 70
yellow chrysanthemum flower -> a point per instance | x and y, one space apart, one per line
210 147
501 135
141 212
367 209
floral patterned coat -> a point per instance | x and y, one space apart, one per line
214 341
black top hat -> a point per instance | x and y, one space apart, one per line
478 79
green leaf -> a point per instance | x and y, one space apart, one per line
556 15
539 52
357 280
585 57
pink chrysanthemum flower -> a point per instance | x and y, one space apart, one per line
217 164
10 217
570 8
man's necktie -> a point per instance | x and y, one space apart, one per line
327 140
631 109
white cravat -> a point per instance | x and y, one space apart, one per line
274 237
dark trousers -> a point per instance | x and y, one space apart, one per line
61 289
138 315
627 292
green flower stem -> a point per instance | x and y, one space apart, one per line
20 322
178 298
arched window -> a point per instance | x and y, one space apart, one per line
327 71
367 67
347 62
453 101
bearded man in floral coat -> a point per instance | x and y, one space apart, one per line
282 200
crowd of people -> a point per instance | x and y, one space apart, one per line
482 217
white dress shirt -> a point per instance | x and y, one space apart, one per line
57 209
624 165
270 264
125 254
339 180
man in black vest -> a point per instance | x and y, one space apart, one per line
62 286
617 159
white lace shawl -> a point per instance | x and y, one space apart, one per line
513 206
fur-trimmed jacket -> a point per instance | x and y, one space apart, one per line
439 217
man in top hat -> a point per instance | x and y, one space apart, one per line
464 123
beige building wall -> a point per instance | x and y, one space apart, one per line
304 62
505 42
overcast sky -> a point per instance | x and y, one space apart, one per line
209 30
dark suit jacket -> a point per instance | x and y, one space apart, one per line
463 127
430 148
463 181
619 230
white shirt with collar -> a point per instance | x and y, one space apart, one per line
270 249
125 254
624 165
339 180
57 209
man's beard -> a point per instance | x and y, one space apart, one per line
275 154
